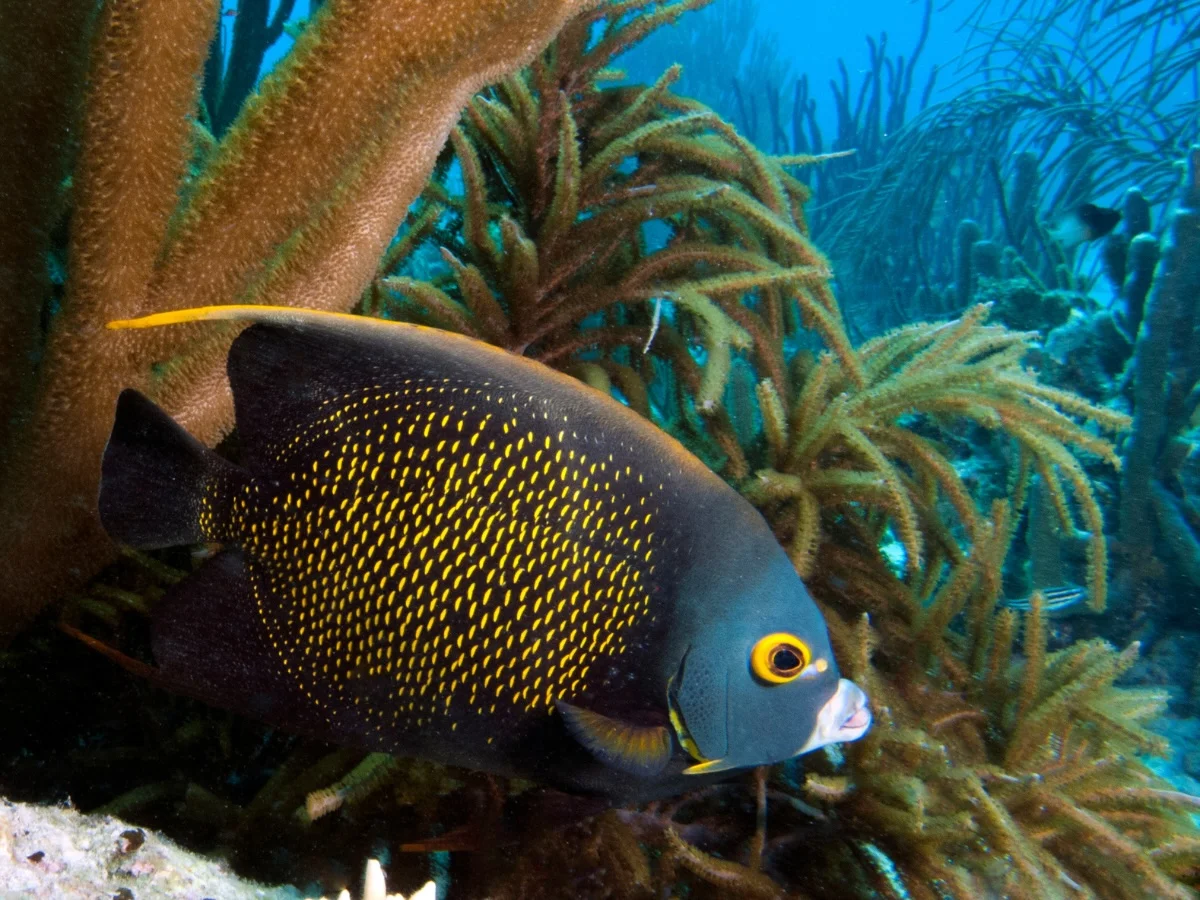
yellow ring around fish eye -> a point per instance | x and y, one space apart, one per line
779 658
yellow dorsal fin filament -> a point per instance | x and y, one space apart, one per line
249 313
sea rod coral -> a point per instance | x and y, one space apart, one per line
293 205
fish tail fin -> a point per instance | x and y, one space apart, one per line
159 486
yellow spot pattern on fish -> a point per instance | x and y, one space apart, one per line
458 545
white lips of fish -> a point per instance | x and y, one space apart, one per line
845 717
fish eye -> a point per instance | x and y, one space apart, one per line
780 657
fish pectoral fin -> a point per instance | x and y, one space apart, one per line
642 750
708 767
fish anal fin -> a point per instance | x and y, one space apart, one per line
641 750
209 643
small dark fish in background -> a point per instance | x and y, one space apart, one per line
439 549
1062 600
1084 223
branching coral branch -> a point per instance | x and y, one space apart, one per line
564 181
1041 756
961 370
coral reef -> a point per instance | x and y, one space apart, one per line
1019 304
1035 762
635 239
1057 122
294 204
629 276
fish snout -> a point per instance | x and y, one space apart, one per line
859 721
853 712
845 717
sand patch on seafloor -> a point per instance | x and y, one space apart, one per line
60 854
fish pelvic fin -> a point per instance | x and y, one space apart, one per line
710 766
159 486
642 750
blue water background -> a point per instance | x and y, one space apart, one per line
813 38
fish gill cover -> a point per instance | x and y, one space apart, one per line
925 479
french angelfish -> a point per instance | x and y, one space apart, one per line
1086 222
435 548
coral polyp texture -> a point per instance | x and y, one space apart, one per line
294 204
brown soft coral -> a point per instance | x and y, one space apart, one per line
985 777
553 258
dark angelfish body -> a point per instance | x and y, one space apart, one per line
437 548
1086 222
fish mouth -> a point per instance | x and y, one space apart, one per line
845 717
859 721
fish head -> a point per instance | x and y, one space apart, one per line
757 683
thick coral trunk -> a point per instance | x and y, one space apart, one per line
38 112
142 87
332 227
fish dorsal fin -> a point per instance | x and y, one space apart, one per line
250 313
642 750
296 372
290 361
285 380
293 369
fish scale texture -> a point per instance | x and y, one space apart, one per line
459 544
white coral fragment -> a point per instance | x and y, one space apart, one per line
375 887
